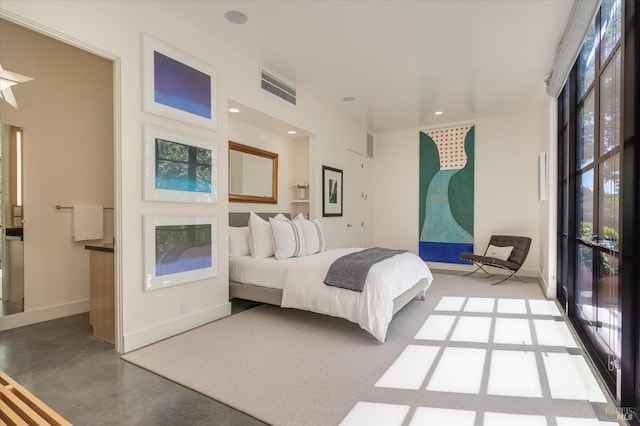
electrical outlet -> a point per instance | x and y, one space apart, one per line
184 308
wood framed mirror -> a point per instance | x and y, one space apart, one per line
253 174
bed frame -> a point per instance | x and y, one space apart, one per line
273 296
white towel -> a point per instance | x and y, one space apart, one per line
87 222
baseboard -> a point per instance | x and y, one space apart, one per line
43 314
175 326
548 291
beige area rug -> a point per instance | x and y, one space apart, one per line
289 367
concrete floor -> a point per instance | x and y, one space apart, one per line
85 381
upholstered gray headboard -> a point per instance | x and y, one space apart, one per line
242 219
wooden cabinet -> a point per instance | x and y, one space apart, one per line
102 293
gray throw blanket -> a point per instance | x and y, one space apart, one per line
350 271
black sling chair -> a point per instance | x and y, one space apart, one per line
511 265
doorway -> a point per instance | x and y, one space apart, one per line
68 117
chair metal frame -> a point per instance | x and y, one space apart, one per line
519 254
480 266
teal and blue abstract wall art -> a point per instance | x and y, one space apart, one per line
446 197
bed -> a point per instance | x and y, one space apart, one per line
298 282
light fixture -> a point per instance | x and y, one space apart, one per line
236 17
438 113
349 98
234 110
8 79
19 168
292 132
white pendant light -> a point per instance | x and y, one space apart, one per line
8 79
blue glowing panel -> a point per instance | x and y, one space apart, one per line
180 86
182 248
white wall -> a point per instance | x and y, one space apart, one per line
115 28
506 185
549 206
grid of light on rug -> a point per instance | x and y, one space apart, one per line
473 362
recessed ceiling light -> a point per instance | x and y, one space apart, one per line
349 98
438 113
234 110
292 132
235 17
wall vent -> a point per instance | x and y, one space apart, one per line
276 86
369 145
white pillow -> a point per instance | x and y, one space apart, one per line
288 238
502 253
260 240
239 241
313 235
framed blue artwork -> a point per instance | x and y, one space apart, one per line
178 86
179 167
179 249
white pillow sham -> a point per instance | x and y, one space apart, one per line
502 253
313 235
288 238
260 239
239 241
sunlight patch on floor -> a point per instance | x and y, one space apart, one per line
371 413
410 368
450 303
514 373
554 333
459 370
480 304
512 306
504 419
442 417
436 327
472 329
542 368
512 331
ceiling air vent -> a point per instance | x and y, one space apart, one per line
274 85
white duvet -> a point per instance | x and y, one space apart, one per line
372 309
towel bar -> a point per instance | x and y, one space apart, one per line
58 207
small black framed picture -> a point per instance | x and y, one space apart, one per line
331 191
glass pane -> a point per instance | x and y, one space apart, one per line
611 23
609 202
585 206
565 262
610 105
586 132
565 155
584 282
587 62
564 219
608 309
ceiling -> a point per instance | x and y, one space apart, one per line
401 60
